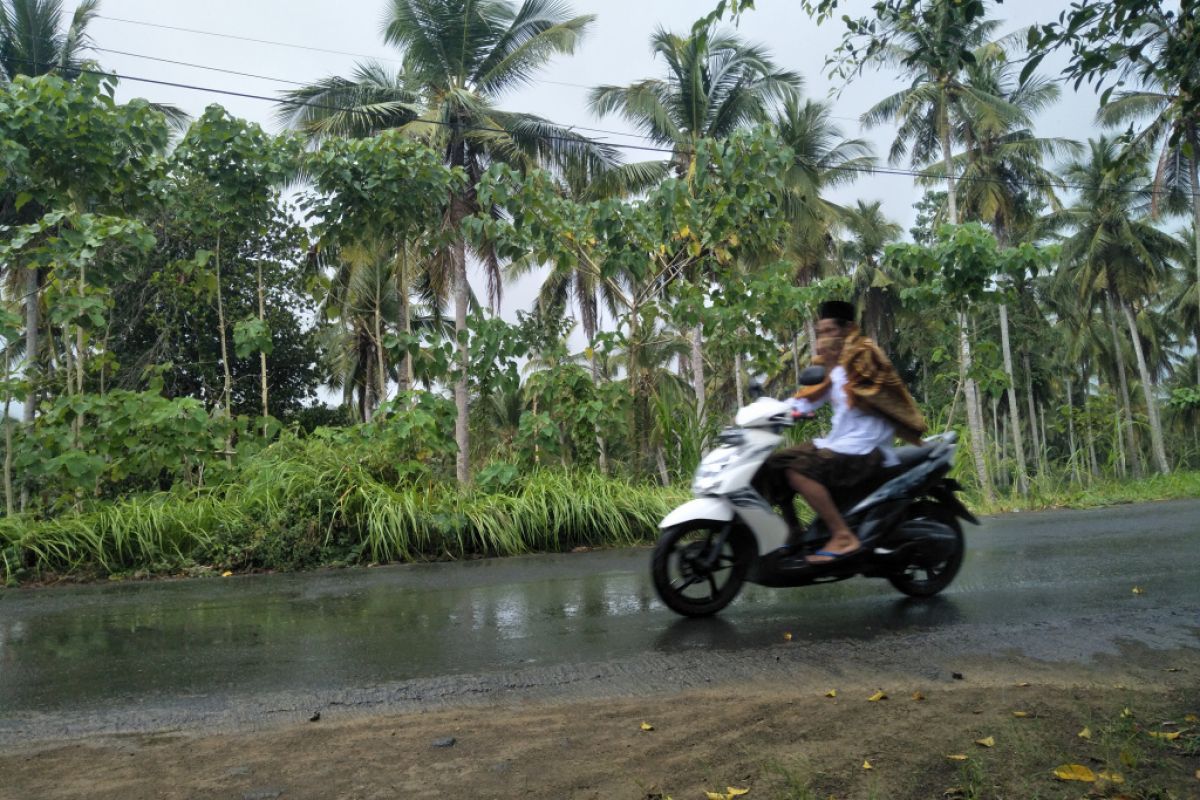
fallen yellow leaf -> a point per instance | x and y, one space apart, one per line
787 637
1191 718
988 742
1169 736
1075 772
880 695
1125 712
226 574
918 696
831 693
1086 733
1138 590
867 765
735 792
715 796
646 726
957 757
1111 777
1020 714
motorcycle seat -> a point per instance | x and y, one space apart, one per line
911 456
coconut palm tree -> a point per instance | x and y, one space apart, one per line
936 47
1002 181
1116 256
867 232
459 57
1175 134
825 159
715 84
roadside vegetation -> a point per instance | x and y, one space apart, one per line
168 318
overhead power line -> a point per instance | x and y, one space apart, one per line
290 45
559 137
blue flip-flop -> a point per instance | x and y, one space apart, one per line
832 556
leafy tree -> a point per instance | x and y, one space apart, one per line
1115 256
715 84
460 56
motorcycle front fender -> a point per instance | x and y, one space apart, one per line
714 508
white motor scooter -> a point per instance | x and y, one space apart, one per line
729 534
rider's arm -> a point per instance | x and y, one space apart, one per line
803 407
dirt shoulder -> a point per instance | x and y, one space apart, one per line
777 739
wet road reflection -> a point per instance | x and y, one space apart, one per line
125 644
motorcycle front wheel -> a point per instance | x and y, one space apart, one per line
691 576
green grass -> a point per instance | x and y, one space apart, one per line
306 504
1062 492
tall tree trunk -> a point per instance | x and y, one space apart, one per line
698 373
1014 419
796 358
948 161
1195 181
974 413
601 446
1045 441
32 324
228 390
1033 429
8 488
739 383
462 434
262 354
380 364
1131 447
661 461
1156 433
406 365
1071 432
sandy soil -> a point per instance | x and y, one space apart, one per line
777 740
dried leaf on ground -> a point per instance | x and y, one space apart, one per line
1191 718
1086 733
1125 712
1111 777
918 696
831 693
735 792
957 757
1138 590
1021 714
880 695
226 574
1170 736
787 637
867 765
1075 772
989 741
1024 685
646 726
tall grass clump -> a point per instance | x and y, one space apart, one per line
302 503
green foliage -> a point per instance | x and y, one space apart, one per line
131 441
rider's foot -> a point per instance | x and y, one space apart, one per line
839 545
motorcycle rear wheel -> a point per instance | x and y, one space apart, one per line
938 574
685 582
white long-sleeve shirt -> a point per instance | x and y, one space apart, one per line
855 432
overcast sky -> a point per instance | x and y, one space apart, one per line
615 50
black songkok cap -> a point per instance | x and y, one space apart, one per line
836 309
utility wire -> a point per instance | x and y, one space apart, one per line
283 44
559 137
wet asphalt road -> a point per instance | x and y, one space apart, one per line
258 650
